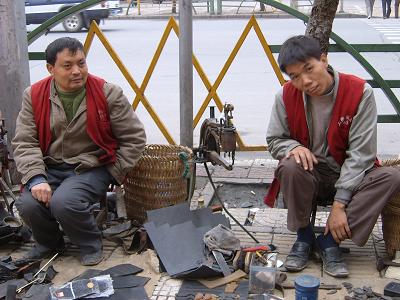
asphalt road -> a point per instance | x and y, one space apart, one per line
250 83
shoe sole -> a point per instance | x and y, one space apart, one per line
342 275
93 263
291 269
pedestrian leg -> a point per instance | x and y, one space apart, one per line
389 8
384 9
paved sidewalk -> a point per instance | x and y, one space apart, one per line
238 9
270 227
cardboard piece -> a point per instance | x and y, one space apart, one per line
221 281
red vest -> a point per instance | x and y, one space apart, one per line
348 98
98 124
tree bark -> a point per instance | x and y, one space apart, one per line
320 23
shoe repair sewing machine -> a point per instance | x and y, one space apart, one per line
216 136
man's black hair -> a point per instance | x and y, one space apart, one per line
57 46
296 49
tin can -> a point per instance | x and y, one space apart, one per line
306 287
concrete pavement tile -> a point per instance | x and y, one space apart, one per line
238 180
265 162
201 171
243 163
238 172
261 172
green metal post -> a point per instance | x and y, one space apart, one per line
219 7
211 6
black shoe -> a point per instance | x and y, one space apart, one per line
297 259
35 253
333 263
92 259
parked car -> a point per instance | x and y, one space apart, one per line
38 11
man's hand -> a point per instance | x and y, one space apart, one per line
337 223
303 156
42 192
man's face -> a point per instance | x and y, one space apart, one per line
312 76
69 71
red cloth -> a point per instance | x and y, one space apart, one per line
98 124
348 98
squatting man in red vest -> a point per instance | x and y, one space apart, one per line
75 134
323 131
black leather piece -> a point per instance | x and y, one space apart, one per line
129 281
297 259
136 293
3 286
38 292
333 263
176 229
89 273
121 270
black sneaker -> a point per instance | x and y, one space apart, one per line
297 259
333 263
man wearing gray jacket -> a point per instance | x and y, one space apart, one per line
323 131
75 135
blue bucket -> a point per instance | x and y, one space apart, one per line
306 287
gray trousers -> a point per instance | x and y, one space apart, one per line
301 189
70 207
369 4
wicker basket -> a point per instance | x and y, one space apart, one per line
157 180
391 218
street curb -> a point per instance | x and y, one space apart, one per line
225 16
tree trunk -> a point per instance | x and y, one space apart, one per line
320 23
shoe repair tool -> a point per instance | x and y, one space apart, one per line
257 248
222 263
36 274
28 284
217 136
382 263
45 265
263 260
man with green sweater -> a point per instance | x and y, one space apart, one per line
75 134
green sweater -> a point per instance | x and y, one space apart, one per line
71 102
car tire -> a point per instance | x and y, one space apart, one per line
73 23
88 22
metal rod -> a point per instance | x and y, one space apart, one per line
224 208
26 285
186 72
45 265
